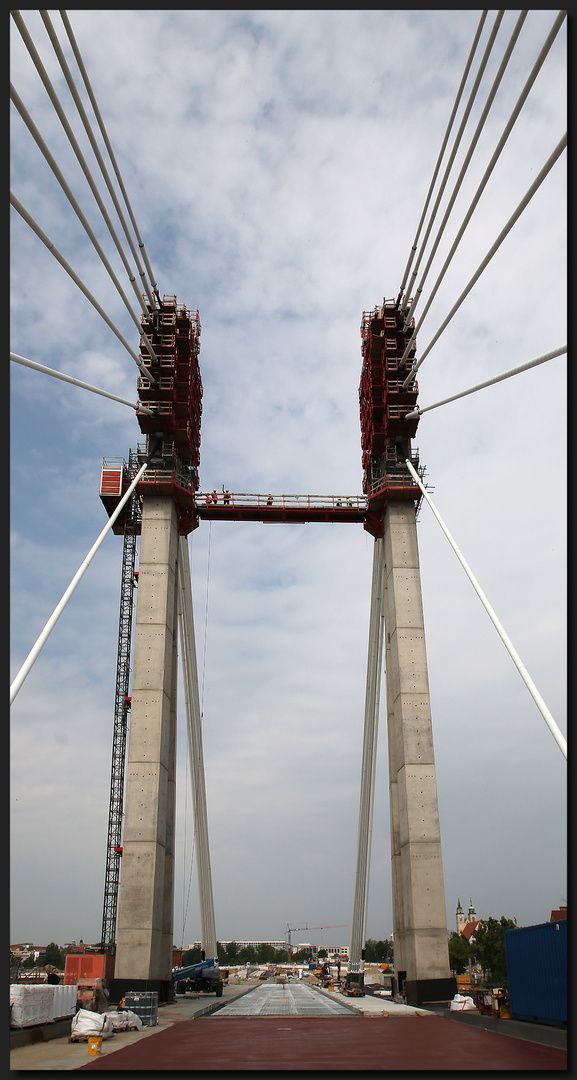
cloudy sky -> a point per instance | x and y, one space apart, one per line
278 163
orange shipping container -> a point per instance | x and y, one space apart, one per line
88 966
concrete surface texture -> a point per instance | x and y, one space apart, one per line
418 890
145 902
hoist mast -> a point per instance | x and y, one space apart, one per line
121 709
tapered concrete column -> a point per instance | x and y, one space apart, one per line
398 914
422 924
145 907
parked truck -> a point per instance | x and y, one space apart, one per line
204 977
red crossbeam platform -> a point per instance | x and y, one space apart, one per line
225 506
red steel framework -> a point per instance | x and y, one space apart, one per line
384 403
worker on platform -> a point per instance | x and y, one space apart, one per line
214 497
269 501
225 496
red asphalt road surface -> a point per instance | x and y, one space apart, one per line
335 1043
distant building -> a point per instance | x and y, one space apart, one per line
558 913
464 920
470 930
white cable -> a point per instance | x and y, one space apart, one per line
77 281
88 129
98 116
78 382
458 138
555 731
507 228
472 145
80 158
418 411
79 213
441 153
506 132
41 640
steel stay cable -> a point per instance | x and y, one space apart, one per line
441 153
472 146
458 137
81 160
545 712
79 213
502 235
77 281
496 154
108 145
41 640
418 410
87 127
137 406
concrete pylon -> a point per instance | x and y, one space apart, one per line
368 766
146 896
419 914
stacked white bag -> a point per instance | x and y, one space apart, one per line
31 1004
87 1023
460 1003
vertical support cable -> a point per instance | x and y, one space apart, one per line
372 699
190 677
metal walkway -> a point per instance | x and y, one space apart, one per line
282 999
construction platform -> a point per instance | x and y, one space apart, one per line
195 1034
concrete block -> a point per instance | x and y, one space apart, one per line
401 546
427 952
418 810
151 728
412 730
159 538
404 603
423 892
140 899
153 660
146 789
156 595
408 663
139 956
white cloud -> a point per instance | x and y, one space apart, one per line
277 163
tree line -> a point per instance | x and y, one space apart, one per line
487 948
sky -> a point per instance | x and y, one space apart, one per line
278 163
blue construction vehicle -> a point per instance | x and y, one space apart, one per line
204 977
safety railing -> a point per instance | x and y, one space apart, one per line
280 502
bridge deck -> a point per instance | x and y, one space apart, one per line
219 506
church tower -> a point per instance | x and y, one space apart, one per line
461 920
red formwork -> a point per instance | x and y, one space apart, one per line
384 403
335 1044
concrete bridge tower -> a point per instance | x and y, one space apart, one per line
419 914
